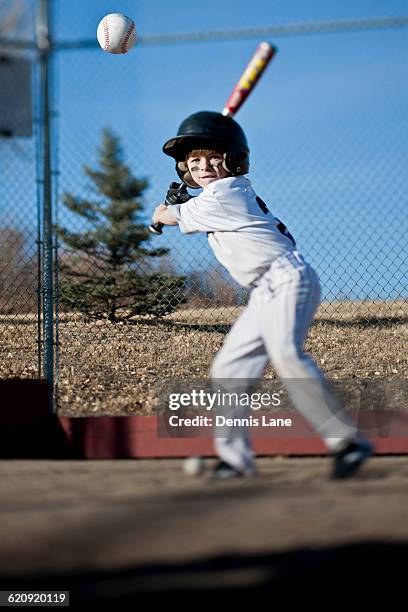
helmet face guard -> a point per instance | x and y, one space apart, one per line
213 131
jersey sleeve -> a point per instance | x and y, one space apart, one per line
201 214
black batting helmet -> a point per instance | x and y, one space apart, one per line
209 130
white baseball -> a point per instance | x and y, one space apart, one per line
116 33
193 466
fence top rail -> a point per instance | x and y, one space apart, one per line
276 30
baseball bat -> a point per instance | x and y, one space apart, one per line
249 78
156 228
251 75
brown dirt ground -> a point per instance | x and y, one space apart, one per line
116 369
121 530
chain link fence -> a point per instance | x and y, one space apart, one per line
20 259
329 158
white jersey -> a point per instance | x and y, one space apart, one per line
242 232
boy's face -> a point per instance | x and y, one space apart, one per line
206 167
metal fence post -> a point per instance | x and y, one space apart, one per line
44 45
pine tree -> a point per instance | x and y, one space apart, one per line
107 271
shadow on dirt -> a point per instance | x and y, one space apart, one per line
368 569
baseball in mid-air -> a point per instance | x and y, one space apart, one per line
116 33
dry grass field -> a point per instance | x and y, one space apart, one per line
116 369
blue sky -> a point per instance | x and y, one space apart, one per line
326 124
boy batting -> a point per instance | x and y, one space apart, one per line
211 152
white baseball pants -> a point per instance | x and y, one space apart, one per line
274 327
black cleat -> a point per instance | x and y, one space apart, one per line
225 471
349 460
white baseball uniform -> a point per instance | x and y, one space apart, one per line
258 251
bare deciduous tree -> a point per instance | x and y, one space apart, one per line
18 273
